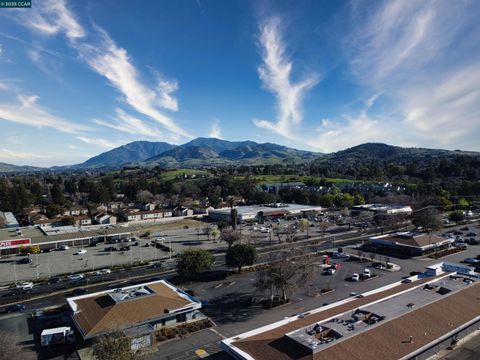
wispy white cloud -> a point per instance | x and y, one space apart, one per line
446 110
422 57
7 155
129 124
104 143
27 111
275 73
216 131
52 18
113 62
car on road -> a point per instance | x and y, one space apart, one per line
64 247
125 248
81 252
80 291
110 248
75 277
54 280
464 228
340 255
472 241
460 245
103 272
25 286
471 234
471 261
355 277
25 260
15 308
378 266
367 273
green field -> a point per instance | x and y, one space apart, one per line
173 174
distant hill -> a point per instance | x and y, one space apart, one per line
376 160
9 168
211 151
133 152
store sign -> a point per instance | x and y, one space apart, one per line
8 244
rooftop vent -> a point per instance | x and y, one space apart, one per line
120 295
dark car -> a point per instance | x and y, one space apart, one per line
110 248
471 234
93 244
472 241
464 228
54 280
80 291
125 248
135 243
25 261
15 308
457 233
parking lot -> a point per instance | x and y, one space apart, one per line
46 265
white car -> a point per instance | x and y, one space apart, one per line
81 252
28 285
103 271
355 277
64 247
76 277
331 271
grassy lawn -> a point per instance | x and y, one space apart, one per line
171 175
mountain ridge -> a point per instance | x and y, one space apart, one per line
216 152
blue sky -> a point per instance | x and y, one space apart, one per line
81 77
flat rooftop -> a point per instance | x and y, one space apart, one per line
67 233
254 209
127 307
425 309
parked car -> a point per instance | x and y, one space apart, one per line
471 234
464 228
460 245
367 273
331 271
81 252
103 272
25 286
15 308
355 277
378 265
125 248
75 277
64 247
471 261
25 260
93 244
472 241
136 243
110 248
80 291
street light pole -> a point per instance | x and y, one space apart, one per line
170 247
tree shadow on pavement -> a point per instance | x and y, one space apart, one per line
232 307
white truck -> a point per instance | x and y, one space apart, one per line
60 335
